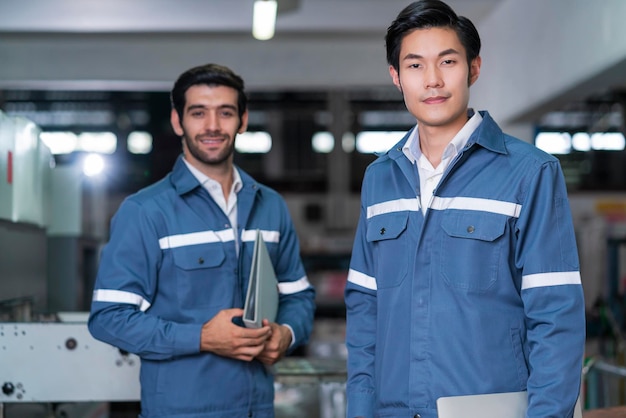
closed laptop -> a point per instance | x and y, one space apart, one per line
492 405
262 296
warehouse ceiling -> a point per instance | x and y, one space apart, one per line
114 61
312 17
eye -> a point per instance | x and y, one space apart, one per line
227 113
448 62
415 65
197 114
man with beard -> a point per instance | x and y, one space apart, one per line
173 276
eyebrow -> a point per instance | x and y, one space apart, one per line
449 51
201 106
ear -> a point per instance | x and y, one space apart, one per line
244 123
474 70
175 121
395 77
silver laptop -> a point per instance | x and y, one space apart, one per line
492 405
262 296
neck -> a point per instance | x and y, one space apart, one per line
434 139
224 176
221 173
433 142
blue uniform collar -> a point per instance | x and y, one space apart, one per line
184 181
488 135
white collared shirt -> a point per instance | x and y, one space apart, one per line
431 176
228 205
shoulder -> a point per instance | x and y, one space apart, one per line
266 194
492 137
152 192
519 149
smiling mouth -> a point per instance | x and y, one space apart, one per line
212 140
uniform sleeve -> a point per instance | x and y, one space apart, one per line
360 298
125 287
297 296
552 295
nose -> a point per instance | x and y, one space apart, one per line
432 77
212 122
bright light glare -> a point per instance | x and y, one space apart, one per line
610 141
254 142
563 142
368 142
581 141
554 142
139 142
323 142
101 142
93 164
264 19
60 142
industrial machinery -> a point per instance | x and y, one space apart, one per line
60 362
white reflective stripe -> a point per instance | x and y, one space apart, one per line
551 279
119 296
268 236
248 235
288 288
474 203
194 238
397 205
361 279
226 235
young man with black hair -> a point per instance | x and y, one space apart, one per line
464 276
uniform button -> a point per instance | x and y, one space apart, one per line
417 416
382 231
201 260
470 229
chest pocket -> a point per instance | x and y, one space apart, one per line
391 251
200 280
201 256
472 249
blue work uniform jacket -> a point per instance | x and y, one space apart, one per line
171 264
482 294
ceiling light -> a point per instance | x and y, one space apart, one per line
93 164
264 19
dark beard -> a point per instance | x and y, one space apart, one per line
200 156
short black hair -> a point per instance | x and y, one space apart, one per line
424 14
210 75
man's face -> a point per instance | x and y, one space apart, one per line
209 125
433 77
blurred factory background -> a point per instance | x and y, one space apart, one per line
84 84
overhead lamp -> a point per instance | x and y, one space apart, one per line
93 164
264 19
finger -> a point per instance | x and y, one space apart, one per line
262 333
249 351
258 341
233 312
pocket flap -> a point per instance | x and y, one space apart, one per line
386 226
483 226
199 256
